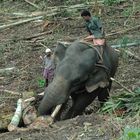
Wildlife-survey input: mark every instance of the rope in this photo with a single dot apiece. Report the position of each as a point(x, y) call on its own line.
point(91, 45)
point(101, 65)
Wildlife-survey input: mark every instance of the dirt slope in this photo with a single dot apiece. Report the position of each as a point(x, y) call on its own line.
point(18, 50)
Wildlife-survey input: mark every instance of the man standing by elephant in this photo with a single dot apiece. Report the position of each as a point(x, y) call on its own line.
point(95, 29)
point(49, 69)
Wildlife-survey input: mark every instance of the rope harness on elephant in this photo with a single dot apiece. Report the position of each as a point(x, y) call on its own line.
point(100, 51)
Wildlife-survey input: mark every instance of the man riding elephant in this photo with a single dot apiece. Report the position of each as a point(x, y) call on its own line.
point(79, 75)
point(94, 28)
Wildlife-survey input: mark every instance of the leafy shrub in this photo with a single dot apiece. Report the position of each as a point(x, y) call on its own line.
point(128, 101)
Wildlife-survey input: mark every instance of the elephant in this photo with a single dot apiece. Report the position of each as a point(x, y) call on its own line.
point(83, 71)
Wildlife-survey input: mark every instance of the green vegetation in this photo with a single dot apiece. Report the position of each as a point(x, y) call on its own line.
point(129, 102)
point(131, 133)
point(125, 106)
point(24, 55)
point(41, 83)
point(127, 12)
point(111, 2)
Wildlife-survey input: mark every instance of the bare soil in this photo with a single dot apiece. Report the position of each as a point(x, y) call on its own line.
point(17, 50)
point(83, 127)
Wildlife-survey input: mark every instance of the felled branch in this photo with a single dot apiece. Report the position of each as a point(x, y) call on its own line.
point(123, 31)
point(121, 85)
point(76, 6)
point(20, 22)
point(129, 54)
point(55, 10)
point(37, 35)
point(126, 45)
point(41, 34)
point(33, 98)
point(11, 92)
point(34, 5)
point(132, 55)
point(7, 69)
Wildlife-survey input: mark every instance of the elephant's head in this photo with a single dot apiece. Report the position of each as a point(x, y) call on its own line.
point(59, 51)
point(74, 67)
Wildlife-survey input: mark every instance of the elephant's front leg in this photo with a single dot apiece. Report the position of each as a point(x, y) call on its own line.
point(103, 95)
point(80, 102)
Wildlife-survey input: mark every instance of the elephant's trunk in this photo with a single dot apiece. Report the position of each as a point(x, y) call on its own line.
point(55, 94)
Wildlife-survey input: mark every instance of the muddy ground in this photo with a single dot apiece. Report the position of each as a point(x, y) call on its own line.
point(19, 49)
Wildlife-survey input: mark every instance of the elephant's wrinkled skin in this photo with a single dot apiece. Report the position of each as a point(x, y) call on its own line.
point(78, 76)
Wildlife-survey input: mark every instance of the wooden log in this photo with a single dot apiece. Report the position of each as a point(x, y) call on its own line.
point(17, 116)
point(7, 69)
point(19, 22)
point(38, 121)
point(33, 98)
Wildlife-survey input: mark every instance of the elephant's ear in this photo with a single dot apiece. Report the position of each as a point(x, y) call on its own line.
point(96, 80)
point(64, 44)
point(60, 50)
